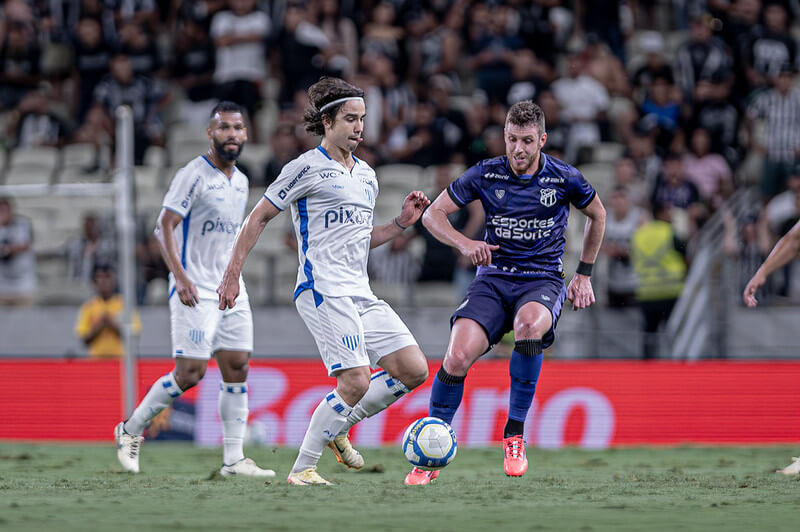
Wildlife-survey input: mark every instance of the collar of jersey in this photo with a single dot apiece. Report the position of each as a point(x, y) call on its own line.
point(325, 153)
point(542, 162)
point(217, 169)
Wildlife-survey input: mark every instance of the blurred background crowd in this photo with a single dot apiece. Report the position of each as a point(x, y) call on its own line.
point(683, 114)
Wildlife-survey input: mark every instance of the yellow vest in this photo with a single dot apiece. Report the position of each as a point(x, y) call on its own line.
point(658, 265)
point(107, 343)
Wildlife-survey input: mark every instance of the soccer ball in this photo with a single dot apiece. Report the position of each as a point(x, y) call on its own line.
point(429, 443)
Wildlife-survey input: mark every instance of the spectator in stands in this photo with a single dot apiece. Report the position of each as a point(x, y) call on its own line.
point(779, 108)
point(141, 12)
point(708, 171)
point(663, 107)
point(96, 245)
point(301, 48)
point(193, 70)
point(342, 33)
point(626, 175)
point(150, 264)
point(749, 245)
point(17, 260)
point(660, 267)
point(92, 56)
point(622, 222)
point(602, 18)
point(19, 64)
point(675, 189)
point(651, 44)
point(121, 87)
point(99, 319)
point(703, 56)
point(433, 48)
point(40, 119)
point(285, 147)
point(770, 46)
point(584, 102)
point(557, 128)
point(395, 99)
point(450, 124)
point(141, 48)
point(419, 143)
point(529, 77)
point(492, 47)
point(239, 35)
point(641, 150)
point(714, 112)
point(382, 36)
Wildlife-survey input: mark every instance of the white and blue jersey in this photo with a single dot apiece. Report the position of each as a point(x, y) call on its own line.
point(332, 210)
point(212, 207)
point(525, 215)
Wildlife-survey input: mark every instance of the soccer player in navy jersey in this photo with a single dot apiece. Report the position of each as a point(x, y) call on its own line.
point(526, 196)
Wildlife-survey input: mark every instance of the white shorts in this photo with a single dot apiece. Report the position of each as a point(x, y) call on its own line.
point(351, 332)
point(200, 331)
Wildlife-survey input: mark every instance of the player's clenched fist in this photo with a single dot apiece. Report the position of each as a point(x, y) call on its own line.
point(580, 292)
point(228, 290)
point(479, 252)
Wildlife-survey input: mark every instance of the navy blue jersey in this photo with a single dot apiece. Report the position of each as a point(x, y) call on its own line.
point(525, 215)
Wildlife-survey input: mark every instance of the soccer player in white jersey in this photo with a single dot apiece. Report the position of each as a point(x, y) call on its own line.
point(332, 196)
point(202, 211)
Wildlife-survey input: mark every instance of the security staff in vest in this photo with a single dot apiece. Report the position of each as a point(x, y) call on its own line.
point(658, 260)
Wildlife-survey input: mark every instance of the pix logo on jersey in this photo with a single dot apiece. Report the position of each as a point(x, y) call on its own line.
point(185, 201)
point(219, 226)
point(285, 190)
point(344, 215)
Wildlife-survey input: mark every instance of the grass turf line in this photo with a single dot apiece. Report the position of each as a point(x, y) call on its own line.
point(69, 487)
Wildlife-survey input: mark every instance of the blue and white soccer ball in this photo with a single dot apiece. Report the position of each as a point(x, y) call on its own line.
point(429, 443)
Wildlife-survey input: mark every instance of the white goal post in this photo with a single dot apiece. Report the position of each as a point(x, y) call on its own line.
point(121, 190)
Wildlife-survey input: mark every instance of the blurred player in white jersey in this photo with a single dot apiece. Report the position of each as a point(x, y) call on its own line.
point(332, 197)
point(787, 248)
point(202, 211)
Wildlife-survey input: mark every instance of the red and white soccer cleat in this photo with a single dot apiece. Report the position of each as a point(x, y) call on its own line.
point(515, 463)
point(420, 477)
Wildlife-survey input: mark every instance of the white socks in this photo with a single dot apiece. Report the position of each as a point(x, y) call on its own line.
point(233, 412)
point(328, 419)
point(383, 391)
point(161, 394)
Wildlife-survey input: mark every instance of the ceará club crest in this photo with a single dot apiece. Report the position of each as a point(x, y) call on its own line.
point(547, 197)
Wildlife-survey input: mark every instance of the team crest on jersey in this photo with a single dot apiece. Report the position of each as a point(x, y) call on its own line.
point(499, 192)
point(547, 197)
point(350, 341)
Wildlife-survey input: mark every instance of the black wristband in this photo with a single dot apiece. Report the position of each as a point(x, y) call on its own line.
point(398, 224)
point(584, 268)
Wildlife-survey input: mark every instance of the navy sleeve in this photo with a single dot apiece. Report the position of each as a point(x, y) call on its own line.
point(579, 191)
point(465, 189)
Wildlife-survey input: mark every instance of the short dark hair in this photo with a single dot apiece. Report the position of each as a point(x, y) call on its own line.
point(102, 267)
point(324, 91)
point(526, 113)
point(226, 106)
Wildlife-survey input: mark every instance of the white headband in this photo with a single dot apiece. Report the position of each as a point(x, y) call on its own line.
point(340, 100)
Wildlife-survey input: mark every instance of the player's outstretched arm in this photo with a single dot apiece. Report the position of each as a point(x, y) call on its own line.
point(580, 291)
point(165, 234)
point(435, 220)
point(251, 229)
point(412, 209)
point(784, 251)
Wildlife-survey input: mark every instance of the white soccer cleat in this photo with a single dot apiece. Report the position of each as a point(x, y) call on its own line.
point(245, 468)
point(127, 448)
point(307, 477)
point(791, 469)
point(345, 453)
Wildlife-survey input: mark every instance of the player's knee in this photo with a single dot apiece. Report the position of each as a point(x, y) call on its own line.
point(415, 376)
point(533, 330)
point(457, 362)
point(189, 377)
point(352, 385)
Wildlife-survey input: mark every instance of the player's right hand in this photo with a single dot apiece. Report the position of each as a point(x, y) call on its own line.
point(750, 290)
point(187, 292)
point(228, 290)
point(479, 252)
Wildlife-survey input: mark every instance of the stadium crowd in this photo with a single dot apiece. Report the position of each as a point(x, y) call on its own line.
point(668, 108)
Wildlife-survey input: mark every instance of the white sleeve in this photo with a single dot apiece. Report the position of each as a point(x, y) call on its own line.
point(294, 181)
point(182, 191)
point(220, 25)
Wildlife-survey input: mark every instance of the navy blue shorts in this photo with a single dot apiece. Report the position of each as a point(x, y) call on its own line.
point(493, 301)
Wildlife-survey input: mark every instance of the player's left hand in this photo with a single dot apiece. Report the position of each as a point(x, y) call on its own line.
point(580, 292)
point(413, 205)
point(228, 290)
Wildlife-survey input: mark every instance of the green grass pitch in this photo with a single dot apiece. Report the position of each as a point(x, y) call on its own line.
point(70, 487)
